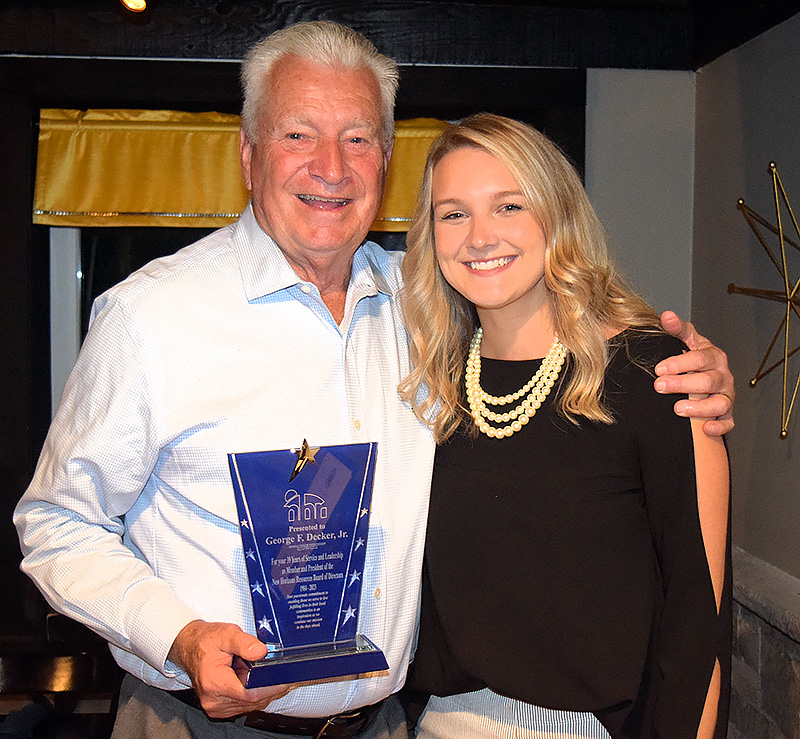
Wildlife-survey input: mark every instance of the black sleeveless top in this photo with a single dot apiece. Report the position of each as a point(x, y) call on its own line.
point(565, 567)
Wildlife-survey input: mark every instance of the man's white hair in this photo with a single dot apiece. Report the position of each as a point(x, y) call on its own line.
point(319, 42)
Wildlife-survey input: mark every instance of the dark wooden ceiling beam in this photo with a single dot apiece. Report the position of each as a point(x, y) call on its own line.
point(655, 34)
point(722, 25)
point(644, 34)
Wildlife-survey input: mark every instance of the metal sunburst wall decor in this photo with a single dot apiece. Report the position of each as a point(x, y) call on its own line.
point(788, 295)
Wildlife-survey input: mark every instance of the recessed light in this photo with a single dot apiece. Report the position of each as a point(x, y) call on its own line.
point(135, 6)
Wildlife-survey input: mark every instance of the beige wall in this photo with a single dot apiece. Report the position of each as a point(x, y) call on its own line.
point(748, 113)
point(639, 176)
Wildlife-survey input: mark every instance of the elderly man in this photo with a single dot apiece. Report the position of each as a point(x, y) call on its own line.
point(280, 327)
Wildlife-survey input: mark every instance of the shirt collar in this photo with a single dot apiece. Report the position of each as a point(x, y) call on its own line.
point(265, 270)
point(262, 265)
point(368, 273)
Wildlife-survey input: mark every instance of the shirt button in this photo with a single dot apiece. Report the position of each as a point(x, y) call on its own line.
point(377, 593)
point(305, 288)
point(356, 424)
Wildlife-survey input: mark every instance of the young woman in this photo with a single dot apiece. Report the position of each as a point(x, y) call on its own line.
point(575, 574)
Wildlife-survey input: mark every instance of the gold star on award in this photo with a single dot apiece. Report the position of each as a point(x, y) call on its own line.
point(305, 454)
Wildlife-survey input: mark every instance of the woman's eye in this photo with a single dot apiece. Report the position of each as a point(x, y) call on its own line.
point(508, 207)
point(452, 216)
point(295, 136)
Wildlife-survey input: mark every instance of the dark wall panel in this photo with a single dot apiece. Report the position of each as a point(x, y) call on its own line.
point(24, 337)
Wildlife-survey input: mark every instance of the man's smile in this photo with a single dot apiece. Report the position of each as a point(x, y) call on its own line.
point(322, 203)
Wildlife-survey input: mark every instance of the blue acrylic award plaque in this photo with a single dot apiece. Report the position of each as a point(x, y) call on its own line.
point(304, 520)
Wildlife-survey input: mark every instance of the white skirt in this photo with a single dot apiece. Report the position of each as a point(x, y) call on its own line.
point(487, 714)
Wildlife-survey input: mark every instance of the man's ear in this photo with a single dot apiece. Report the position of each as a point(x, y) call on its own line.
point(245, 154)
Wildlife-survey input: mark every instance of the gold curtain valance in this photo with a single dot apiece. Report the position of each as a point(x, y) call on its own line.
point(169, 168)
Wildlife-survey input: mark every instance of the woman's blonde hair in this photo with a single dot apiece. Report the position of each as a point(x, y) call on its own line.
point(587, 296)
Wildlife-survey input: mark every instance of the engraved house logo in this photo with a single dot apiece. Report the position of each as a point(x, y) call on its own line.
point(308, 507)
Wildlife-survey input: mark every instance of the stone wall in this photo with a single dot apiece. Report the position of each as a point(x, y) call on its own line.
point(765, 702)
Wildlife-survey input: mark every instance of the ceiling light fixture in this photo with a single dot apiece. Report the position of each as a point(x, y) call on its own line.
point(135, 6)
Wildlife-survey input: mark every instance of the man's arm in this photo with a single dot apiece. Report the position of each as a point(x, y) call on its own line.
point(702, 373)
point(96, 460)
point(205, 651)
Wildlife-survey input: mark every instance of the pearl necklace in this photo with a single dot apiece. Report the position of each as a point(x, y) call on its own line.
point(536, 390)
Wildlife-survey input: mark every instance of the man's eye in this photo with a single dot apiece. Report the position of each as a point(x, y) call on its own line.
point(454, 216)
point(295, 136)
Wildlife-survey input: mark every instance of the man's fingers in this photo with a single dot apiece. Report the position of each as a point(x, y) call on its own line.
point(717, 409)
point(200, 642)
point(696, 360)
point(699, 383)
point(235, 641)
point(702, 370)
point(262, 697)
point(222, 695)
point(205, 651)
point(234, 700)
point(674, 325)
point(714, 407)
point(718, 427)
